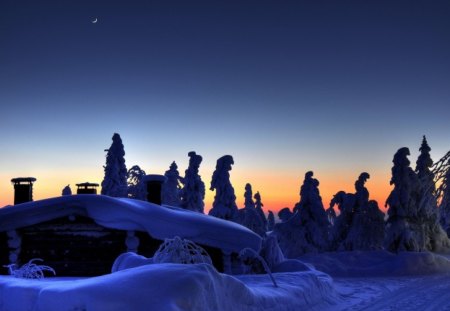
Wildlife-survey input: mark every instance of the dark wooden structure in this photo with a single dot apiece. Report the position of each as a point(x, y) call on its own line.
point(154, 187)
point(87, 188)
point(23, 189)
point(83, 235)
point(73, 246)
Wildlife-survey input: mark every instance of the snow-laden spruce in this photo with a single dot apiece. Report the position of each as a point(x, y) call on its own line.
point(413, 224)
point(360, 224)
point(171, 189)
point(307, 230)
point(136, 186)
point(193, 191)
point(249, 216)
point(224, 205)
point(114, 183)
point(259, 205)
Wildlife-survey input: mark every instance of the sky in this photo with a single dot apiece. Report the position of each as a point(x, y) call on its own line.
point(285, 87)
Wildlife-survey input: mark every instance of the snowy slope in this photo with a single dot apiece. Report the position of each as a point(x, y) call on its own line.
point(169, 287)
point(128, 214)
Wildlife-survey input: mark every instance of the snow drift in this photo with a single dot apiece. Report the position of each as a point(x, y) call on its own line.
point(169, 287)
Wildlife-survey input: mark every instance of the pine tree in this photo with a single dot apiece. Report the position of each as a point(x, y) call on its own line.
point(193, 191)
point(360, 224)
point(434, 238)
point(115, 181)
point(249, 216)
point(136, 187)
point(259, 205)
point(171, 190)
point(224, 205)
point(307, 230)
point(248, 197)
point(403, 205)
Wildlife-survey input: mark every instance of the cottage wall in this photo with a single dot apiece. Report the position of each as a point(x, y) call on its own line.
point(73, 246)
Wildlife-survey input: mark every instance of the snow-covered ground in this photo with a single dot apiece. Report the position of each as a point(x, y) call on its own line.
point(168, 287)
point(361, 281)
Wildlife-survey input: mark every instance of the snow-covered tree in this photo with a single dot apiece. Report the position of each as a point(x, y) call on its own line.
point(360, 224)
point(248, 197)
point(115, 181)
point(403, 205)
point(307, 230)
point(171, 190)
point(193, 191)
point(136, 187)
point(249, 215)
point(435, 239)
point(285, 214)
point(270, 221)
point(346, 202)
point(413, 223)
point(259, 205)
point(444, 207)
point(224, 205)
point(67, 190)
point(367, 231)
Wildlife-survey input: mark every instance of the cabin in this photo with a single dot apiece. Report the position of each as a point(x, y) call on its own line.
point(82, 235)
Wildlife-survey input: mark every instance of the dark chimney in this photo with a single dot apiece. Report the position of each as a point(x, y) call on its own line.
point(87, 188)
point(154, 187)
point(23, 189)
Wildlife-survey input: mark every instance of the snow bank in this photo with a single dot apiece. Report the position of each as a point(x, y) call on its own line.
point(129, 214)
point(378, 263)
point(169, 287)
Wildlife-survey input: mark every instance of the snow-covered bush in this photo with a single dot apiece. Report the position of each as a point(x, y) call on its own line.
point(29, 270)
point(193, 191)
point(248, 254)
point(66, 190)
point(224, 205)
point(182, 251)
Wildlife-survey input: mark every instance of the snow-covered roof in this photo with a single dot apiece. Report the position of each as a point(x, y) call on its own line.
point(128, 214)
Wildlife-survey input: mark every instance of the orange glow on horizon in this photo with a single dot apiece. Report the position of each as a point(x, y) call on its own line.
point(278, 189)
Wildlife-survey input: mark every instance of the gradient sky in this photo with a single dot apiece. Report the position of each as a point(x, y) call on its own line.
point(283, 86)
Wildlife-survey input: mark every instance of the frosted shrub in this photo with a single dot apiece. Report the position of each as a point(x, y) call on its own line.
point(30, 270)
point(182, 251)
point(248, 254)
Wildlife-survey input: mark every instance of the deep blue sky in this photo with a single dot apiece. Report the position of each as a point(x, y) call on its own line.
point(283, 86)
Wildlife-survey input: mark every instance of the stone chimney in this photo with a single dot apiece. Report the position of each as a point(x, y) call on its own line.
point(87, 188)
point(23, 189)
point(154, 187)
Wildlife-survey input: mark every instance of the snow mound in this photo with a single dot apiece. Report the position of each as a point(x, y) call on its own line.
point(169, 287)
point(378, 263)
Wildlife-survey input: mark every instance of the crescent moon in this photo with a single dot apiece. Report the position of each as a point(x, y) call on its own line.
point(94, 21)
